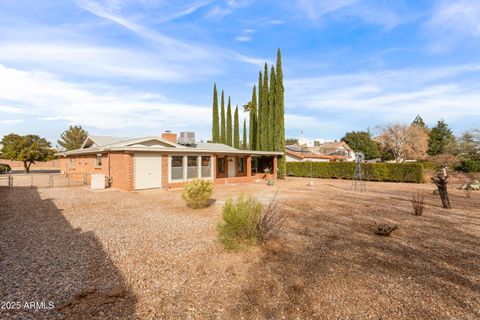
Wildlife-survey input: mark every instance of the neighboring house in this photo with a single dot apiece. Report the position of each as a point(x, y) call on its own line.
point(161, 162)
point(326, 152)
point(334, 148)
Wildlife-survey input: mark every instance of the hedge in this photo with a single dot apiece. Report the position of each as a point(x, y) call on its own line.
point(392, 172)
point(470, 166)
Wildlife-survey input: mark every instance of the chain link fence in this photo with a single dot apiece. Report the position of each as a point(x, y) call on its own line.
point(43, 180)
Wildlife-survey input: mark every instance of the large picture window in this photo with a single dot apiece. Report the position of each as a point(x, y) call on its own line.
point(192, 167)
point(206, 167)
point(177, 168)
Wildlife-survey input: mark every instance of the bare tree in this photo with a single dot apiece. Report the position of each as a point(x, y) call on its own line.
point(404, 141)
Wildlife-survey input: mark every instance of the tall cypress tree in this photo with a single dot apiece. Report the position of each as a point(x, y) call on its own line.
point(272, 136)
point(223, 132)
point(280, 116)
point(253, 120)
point(244, 140)
point(265, 107)
point(229, 123)
point(258, 145)
point(215, 128)
point(236, 130)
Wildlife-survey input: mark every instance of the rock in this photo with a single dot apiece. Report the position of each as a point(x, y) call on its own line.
point(109, 300)
point(116, 292)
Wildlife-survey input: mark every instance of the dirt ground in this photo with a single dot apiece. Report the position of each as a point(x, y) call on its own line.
point(118, 255)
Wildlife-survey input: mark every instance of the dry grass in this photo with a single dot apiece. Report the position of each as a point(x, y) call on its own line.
point(326, 263)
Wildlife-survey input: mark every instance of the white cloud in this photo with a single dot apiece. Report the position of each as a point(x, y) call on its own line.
point(389, 96)
point(453, 22)
point(50, 99)
point(8, 109)
point(374, 13)
point(243, 38)
point(176, 50)
point(11, 121)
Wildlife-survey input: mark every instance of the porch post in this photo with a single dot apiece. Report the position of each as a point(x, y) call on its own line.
point(249, 166)
point(274, 167)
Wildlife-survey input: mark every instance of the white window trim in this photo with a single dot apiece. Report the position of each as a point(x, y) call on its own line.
point(185, 168)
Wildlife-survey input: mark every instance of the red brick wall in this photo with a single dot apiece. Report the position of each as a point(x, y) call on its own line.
point(122, 171)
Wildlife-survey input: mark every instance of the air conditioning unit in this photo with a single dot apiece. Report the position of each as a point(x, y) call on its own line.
point(187, 138)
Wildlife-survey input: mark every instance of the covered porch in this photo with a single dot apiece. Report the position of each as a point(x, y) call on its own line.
point(235, 168)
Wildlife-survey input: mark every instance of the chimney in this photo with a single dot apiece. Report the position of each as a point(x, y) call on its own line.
point(169, 136)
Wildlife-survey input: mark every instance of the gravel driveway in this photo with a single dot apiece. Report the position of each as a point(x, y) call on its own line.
point(114, 254)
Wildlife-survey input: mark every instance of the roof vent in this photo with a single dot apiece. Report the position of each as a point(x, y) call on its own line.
point(187, 138)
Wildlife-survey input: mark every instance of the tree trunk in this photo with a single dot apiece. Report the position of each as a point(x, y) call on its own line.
point(441, 181)
point(26, 166)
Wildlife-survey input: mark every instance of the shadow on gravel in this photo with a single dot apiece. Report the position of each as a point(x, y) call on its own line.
point(44, 259)
point(329, 265)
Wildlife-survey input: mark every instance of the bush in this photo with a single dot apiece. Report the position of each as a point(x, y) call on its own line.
point(4, 168)
point(246, 222)
point(470, 166)
point(239, 225)
point(418, 203)
point(197, 193)
point(392, 172)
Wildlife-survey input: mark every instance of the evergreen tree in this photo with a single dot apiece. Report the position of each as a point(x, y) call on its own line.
point(229, 123)
point(272, 131)
point(215, 128)
point(223, 132)
point(418, 121)
point(244, 141)
point(253, 120)
point(280, 116)
point(265, 111)
point(236, 130)
point(259, 113)
point(439, 138)
point(72, 138)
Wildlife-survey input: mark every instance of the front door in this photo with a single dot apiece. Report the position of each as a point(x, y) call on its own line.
point(231, 167)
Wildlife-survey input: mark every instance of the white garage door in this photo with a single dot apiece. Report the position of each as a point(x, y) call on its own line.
point(148, 171)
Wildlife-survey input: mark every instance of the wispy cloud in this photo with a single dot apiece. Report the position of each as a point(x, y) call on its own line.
point(372, 98)
point(11, 121)
point(176, 49)
point(453, 21)
point(46, 97)
point(373, 12)
point(246, 35)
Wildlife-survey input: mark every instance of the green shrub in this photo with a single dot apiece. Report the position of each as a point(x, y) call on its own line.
point(391, 172)
point(470, 166)
point(239, 224)
point(4, 168)
point(197, 193)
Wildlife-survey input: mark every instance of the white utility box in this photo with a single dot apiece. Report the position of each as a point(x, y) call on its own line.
point(98, 181)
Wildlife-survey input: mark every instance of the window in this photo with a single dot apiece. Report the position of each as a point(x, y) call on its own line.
point(241, 165)
point(206, 167)
point(176, 168)
point(221, 165)
point(98, 160)
point(192, 167)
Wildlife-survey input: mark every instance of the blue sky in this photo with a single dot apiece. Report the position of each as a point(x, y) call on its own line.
point(139, 67)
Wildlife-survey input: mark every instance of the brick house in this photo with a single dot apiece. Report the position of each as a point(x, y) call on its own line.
point(165, 162)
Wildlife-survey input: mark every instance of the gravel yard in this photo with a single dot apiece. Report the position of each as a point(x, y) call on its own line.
point(113, 254)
